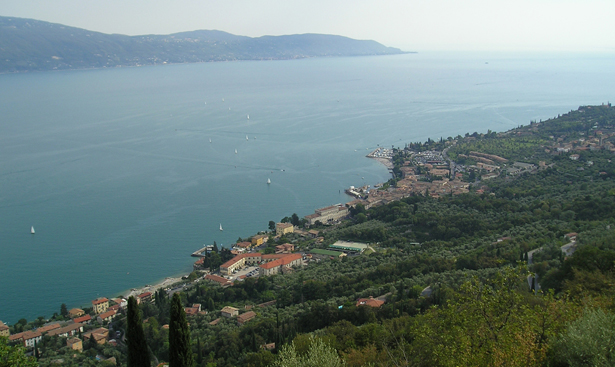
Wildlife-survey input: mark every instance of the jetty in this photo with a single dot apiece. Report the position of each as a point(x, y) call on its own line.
point(202, 251)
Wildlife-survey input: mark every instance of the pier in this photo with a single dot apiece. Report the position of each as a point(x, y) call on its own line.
point(199, 252)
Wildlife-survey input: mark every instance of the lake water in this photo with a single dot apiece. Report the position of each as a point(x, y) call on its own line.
point(115, 171)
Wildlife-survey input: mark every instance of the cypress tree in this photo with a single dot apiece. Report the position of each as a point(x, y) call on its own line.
point(180, 352)
point(138, 354)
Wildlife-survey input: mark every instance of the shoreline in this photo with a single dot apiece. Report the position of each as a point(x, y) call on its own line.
point(166, 282)
point(386, 162)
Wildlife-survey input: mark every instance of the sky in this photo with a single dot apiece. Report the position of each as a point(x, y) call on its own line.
point(412, 25)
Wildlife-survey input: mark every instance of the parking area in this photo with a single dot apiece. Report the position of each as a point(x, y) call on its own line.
point(248, 271)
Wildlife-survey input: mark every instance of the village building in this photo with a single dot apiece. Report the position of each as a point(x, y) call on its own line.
point(100, 305)
point(217, 279)
point(215, 322)
point(74, 344)
point(75, 312)
point(283, 228)
point(66, 331)
point(328, 214)
point(245, 317)
point(4, 330)
point(47, 328)
point(259, 239)
point(83, 319)
point(229, 311)
point(144, 297)
point(286, 248)
point(371, 302)
point(107, 316)
point(100, 335)
point(280, 265)
point(28, 338)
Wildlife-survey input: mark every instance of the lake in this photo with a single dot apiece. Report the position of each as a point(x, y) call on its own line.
point(116, 172)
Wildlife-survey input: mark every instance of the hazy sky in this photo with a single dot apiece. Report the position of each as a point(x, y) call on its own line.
point(413, 25)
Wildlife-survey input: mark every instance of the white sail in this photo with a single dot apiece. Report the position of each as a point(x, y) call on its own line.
point(210, 140)
point(268, 181)
point(32, 230)
point(248, 117)
point(235, 151)
point(221, 227)
point(247, 137)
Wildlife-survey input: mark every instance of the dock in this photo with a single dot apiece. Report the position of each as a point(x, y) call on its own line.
point(200, 252)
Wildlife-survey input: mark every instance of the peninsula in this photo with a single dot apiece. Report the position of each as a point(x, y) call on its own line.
point(33, 45)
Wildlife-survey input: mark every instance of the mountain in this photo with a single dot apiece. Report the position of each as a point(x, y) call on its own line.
point(31, 45)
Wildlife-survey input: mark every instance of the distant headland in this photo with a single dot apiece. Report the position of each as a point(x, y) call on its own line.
point(34, 45)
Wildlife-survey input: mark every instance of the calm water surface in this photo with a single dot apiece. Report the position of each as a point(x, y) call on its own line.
point(115, 171)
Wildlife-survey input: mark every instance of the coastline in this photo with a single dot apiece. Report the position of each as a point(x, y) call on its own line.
point(166, 282)
point(385, 161)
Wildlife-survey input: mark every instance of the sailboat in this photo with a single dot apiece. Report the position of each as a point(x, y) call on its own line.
point(235, 151)
point(221, 227)
point(268, 181)
point(32, 230)
point(247, 137)
point(210, 140)
point(248, 117)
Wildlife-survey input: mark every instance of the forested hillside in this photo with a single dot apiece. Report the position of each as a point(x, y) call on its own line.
point(33, 45)
point(461, 281)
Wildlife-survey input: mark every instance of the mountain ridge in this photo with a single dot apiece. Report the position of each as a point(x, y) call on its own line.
point(34, 45)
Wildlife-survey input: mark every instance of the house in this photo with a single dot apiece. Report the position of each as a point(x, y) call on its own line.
point(216, 279)
point(75, 312)
point(46, 328)
point(115, 308)
point(66, 331)
point(100, 335)
point(244, 245)
point(313, 233)
point(258, 240)
point(83, 319)
point(215, 322)
point(371, 302)
point(144, 297)
point(280, 265)
point(329, 214)
point(283, 228)
point(286, 248)
point(107, 316)
point(245, 317)
point(270, 346)
point(194, 310)
point(121, 302)
point(100, 305)
point(31, 337)
point(74, 344)
point(229, 311)
point(4, 330)
point(572, 236)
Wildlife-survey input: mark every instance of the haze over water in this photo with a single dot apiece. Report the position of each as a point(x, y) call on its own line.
point(115, 171)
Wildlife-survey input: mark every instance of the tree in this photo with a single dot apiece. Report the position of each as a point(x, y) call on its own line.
point(14, 356)
point(319, 355)
point(294, 219)
point(92, 342)
point(271, 225)
point(587, 341)
point(138, 354)
point(63, 310)
point(180, 352)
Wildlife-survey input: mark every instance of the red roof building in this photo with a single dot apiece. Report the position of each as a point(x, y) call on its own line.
point(371, 302)
point(83, 319)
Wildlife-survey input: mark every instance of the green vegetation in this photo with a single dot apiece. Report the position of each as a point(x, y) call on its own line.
point(29, 45)
point(452, 269)
point(180, 352)
point(138, 354)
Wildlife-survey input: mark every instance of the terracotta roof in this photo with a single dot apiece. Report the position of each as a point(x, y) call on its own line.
point(371, 302)
point(191, 311)
point(107, 314)
point(245, 317)
point(229, 309)
point(235, 259)
point(145, 294)
point(99, 301)
point(31, 334)
point(287, 259)
point(217, 279)
point(17, 336)
point(46, 328)
point(2, 326)
point(215, 322)
point(83, 318)
point(65, 329)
